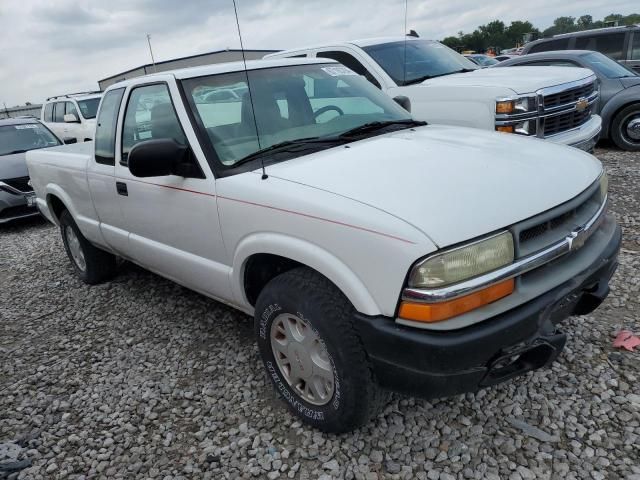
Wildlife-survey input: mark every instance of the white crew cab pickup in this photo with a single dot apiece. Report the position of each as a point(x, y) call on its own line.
point(441, 86)
point(374, 252)
point(72, 117)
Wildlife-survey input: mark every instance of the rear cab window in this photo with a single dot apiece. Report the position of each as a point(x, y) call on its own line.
point(48, 112)
point(350, 61)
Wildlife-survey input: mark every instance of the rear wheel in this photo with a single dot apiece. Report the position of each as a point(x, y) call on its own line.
point(91, 264)
point(625, 128)
point(312, 352)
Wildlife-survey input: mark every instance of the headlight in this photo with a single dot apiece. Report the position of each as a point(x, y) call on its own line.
point(463, 263)
point(518, 105)
point(604, 186)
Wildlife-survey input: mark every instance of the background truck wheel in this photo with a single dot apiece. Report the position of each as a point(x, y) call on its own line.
point(312, 353)
point(90, 263)
point(625, 128)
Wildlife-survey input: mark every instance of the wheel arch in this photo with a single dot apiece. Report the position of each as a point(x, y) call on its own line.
point(261, 257)
point(613, 108)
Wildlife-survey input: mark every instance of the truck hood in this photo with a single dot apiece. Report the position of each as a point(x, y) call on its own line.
point(13, 166)
point(451, 183)
point(520, 79)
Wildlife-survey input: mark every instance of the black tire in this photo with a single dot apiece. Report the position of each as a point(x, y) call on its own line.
point(619, 128)
point(100, 265)
point(308, 295)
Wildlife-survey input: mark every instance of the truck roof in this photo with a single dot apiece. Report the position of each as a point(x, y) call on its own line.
point(363, 42)
point(228, 67)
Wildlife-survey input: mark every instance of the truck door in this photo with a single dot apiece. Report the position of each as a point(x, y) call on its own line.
point(172, 220)
point(101, 175)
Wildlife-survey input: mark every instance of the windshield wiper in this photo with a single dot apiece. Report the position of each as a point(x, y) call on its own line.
point(288, 146)
point(378, 125)
point(427, 77)
point(14, 152)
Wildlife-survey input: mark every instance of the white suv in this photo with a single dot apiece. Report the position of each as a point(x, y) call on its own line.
point(72, 116)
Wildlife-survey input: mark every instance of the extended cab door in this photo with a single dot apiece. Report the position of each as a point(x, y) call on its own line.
point(172, 220)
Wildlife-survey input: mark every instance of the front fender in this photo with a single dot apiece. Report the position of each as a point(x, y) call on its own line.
point(308, 254)
point(620, 100)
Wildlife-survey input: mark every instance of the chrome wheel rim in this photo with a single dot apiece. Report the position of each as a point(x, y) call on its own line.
point(633, 129)
point(302, 359)
point(75, 249)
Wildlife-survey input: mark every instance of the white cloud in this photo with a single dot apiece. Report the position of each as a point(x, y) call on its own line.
point(49, 47)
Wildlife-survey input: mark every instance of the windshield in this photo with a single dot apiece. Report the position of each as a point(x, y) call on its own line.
point(606, 66)
point(24, 137)
point(297, 103)
point(424, 59)
point(484, 60)
point(89, 107)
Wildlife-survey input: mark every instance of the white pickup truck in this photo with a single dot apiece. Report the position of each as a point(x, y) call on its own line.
point(374, 252)
point(443, 87)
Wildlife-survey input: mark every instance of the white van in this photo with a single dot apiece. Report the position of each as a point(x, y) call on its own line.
point(72, 116)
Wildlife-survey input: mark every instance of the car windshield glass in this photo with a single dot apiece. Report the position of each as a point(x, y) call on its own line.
point(606, 66)
point(24, 137)
point(294, 106)
point(424, 59)
point(89, 107)
point(485, 60)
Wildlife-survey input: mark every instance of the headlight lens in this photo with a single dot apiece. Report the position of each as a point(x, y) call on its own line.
point(463, 263)
point(518, 105)
point(604, 186)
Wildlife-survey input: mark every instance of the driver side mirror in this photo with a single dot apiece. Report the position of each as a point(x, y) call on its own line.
point(403, 101)
point(70, 140)
point(71, 118)
point(162, 157)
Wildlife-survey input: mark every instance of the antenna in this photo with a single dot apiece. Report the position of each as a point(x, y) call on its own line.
point(246, 74)
point(151, 52)
point(404, 55)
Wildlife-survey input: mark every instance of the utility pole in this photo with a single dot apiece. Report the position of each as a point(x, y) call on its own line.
point(151, 52)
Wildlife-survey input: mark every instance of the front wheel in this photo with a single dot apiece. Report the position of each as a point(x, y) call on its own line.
point(312, 352)
point(625, 128)
point(91, 264)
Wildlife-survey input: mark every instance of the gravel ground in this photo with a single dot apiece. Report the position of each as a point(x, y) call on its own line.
point(140, 378)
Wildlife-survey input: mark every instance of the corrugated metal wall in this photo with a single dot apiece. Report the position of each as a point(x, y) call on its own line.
point(33, 110)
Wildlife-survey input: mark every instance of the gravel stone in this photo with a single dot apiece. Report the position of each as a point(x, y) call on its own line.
point(140, 378)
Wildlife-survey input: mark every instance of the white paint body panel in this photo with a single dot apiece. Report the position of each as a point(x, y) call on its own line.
point(361, 216)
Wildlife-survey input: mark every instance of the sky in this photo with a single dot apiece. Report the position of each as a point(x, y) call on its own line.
point(51, 47)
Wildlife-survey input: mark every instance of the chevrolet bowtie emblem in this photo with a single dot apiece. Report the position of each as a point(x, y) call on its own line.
point(576, 238)
point(582, 104)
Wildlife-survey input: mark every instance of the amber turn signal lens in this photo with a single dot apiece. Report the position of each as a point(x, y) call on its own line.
point(436, 312)
point(505, 128)
point(505, 107)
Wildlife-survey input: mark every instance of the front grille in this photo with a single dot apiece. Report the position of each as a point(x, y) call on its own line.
point(20, 183)
point(566, 121)
point(569, 96)
point(15, 212)
point(556, 227)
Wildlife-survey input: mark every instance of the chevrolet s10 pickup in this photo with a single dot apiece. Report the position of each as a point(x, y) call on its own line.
point(376, 253)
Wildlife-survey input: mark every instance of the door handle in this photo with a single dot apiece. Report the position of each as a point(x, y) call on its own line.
point(121, 188)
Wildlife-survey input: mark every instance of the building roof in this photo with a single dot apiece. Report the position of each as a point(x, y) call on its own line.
point(198, 55)
point(227, 67)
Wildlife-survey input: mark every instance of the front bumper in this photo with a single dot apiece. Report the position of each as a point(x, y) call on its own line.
point(433, 364)
point(585, 137)
point(14, 207)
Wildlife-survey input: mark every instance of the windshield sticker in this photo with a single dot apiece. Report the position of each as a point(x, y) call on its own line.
point(339, 70)
point(27, 125)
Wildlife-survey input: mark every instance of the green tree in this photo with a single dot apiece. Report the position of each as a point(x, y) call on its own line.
point(585, 22)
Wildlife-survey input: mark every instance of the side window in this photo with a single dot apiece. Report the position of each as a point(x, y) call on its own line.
point(609, 44)
point(71, 108)
point(560, 44)
point(48, 112)
point(105, 140)
point(58, 112)
point(635, 46)
point(551, 63)
point(349, 61)
point(149, 115)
